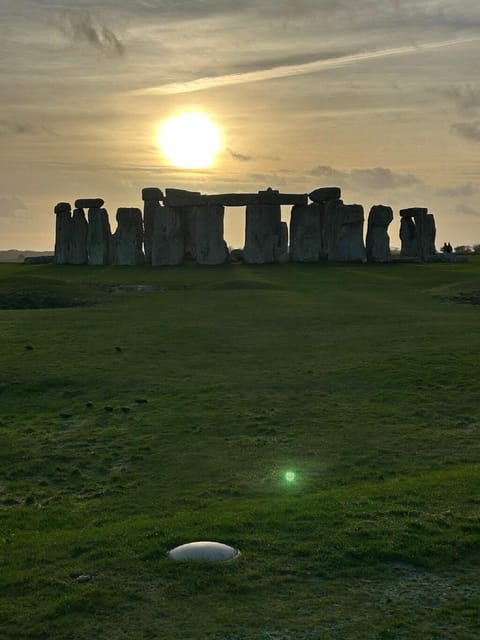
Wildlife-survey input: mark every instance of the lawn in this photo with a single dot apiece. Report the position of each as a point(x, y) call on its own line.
point(137, 418)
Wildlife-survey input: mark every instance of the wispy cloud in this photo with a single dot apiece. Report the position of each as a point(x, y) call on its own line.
point(239, 156)
point(376, 178)
point(468, 130)
point(457, 191)
point(286, 71)
point(21, 128)
point(466, 98)
point(12, 207)
point(84, 27)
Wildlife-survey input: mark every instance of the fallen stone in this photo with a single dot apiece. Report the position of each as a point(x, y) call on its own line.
point(39, 260)
point(168, 246)
point(128, 238)
point(236, 255)
point(204, 551)
point(325, 193)
point(61, 207)
point(182, 198)
point(99, 240)
point(152, 194)
point(378, 240)
point(210, 247)
point(78, 253)
point(411, 212)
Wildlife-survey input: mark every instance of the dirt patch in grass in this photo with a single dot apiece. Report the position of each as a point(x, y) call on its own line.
point(40, 300)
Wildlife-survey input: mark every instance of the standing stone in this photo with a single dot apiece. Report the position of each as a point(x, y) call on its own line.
point(431, 233)
point(99, 241)
point(378, 240)
point(344, 231)
point(306, 233)
point(281, 250)
point(128, 238)
point(63, 212)
point(78, 238)
point(167, 240)
point(151, 196)
point(210, 245)
point(417, 233)
point(263, 234)
point(189, 222)
point(408, 238)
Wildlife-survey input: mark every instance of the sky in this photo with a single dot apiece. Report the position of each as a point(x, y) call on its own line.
point(378, 97)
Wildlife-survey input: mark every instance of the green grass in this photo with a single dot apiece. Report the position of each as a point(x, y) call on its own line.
point(361, 379)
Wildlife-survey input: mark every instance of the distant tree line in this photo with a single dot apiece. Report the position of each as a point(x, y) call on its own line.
point(465, 249)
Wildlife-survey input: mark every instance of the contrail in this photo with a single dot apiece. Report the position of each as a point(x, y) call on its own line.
point(287, 71)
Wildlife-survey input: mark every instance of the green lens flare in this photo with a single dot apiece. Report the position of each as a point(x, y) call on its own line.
point(290, 476)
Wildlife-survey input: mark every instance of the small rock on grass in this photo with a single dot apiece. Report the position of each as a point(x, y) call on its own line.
point(141, 401)
point(108, 409)
point(29, 347)
point(125, 409)
point(89, 405)
point(65, 416)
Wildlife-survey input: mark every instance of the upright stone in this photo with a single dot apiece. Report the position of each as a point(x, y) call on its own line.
point(128, 238)
point(189, 226)
point(344, 228)
point(78, 238)
point(378, 240)
point(408, 240)
point(263, 234)
point(63, 213)
point(306, 233)
point(425, 233)
point(281, 250)
point(99, 241)
point(168, 248)
point(210, 245)
point(151, 196)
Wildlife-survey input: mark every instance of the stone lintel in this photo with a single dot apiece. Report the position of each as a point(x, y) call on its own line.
point(325, 193)
point(183, 198)
point(262, 197)
point(63, 207)
point(152, 194)
point(89, 203)
point(413, 211)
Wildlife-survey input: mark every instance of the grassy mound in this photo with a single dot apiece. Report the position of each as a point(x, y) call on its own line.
point(171, 410)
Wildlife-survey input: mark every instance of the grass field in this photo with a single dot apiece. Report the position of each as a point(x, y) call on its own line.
point(364, 380)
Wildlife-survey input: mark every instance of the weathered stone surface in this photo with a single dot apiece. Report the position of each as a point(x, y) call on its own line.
point(89, 203)
point(182, 198)
point(209, 243)
point(189, 222)
point(62, 234)
point(152, 194)
point(307, 233)
point(168, 246)
point(262, 197)
point(263, 234)
point(61, 207)
point(425, 233)
point(325, 193)
point(271, 196)
point(204, 550)
point(77, 253)
point(99, 240)
point(236, 255)
point(150, 210)
point(408, 238)
point(128, 238)
point(413, 211)
point(344, 232)
point(281, 250)
point(39, 260)
point(378, 240)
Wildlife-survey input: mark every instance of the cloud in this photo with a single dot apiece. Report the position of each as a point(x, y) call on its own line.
point(469, 211)
point(12, 207)
point(239, 156)
point(12, 127)
point(466, 98)
point(463, 190)
point(84, 27)
point(285, 71)
point(467, 130)
point(377, 178)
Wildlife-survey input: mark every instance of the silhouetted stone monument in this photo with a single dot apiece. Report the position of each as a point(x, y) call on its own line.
point(344, 231)
point(417, 233)
point(128, 238)
point(77, 253)
point(63, 213)
point(323, 194)
point(210, 247)
point(264, 236)
point(378, 240)
point(168, 248)
point(99, 241)
point(307, 233)
point(151, 196)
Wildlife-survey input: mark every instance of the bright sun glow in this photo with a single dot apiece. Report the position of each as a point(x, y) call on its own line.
point(190, 140)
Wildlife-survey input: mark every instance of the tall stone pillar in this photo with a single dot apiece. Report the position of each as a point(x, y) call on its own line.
point(78, 238)
point(378, 240)
point(99, 241)
point(417, 233)
point(210, 245)
point(344, 228)
point(128, 238)
point(63, 213)
point(151, 196)
point(306, 233)
point(263, 234)
point(168, 247)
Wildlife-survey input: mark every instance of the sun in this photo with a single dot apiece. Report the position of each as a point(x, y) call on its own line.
point(190, 140)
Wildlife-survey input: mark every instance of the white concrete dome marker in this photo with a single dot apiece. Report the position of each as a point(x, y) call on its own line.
point(204, 550)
